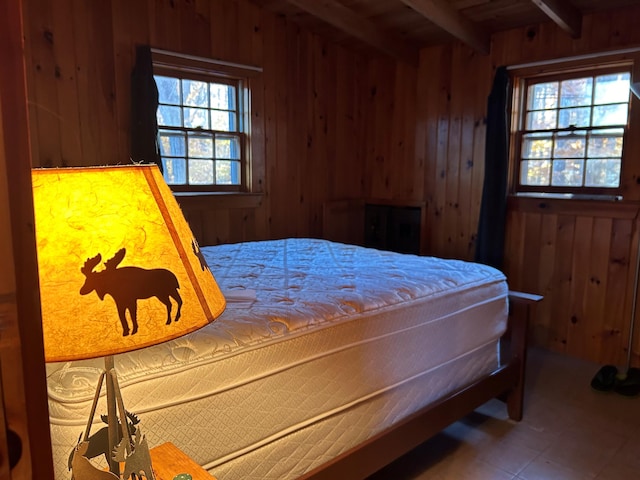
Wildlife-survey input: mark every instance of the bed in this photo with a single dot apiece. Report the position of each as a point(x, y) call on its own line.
point(330, 361)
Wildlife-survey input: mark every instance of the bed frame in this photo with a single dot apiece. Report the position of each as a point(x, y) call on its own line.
point(505, 383)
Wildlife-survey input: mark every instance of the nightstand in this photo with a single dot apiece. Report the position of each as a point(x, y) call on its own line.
point(168, 461)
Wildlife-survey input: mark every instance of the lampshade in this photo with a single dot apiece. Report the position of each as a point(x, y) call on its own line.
point(119, 266)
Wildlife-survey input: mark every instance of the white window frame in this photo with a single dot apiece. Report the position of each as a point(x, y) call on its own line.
point(188, 67)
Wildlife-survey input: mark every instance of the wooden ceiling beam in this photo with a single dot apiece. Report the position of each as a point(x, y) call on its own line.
point(341, 17)
point(564, 14)
point(451, 20)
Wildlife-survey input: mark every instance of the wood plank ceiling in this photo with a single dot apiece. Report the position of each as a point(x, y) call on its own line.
point(401, 27)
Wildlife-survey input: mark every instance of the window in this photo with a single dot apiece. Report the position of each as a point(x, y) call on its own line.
point(203, 118)
point(571, 132)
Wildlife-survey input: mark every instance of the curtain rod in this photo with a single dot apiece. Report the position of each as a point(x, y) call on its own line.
point(586, 56)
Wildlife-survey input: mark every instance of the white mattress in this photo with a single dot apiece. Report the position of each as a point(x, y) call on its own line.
point(321, 345)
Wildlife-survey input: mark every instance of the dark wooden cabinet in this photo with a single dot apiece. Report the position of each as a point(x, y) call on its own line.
point(392, 227)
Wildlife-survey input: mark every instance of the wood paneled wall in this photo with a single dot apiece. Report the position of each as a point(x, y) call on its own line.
point(582, 258)
point(307, 118)
point(580, 255)
point(331, 125)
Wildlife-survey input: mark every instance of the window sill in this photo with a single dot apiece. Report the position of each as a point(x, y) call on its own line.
point(219, 200)
point(587, 205)
point(569, 196)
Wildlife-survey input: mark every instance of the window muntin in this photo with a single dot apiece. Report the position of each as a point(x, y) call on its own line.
point(572, 131)
point(201, 132)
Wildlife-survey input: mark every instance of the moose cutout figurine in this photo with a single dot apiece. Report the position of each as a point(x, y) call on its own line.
point(127, 285)
point(82, 467)
point(137, 464)
point(131, 452)
point(98, 443)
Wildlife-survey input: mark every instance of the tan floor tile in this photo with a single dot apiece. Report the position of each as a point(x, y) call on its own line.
point(569, 432)
point(543, 469)
point(628, 455)
point(619, 472)
point(584, 450)
point(473, 470)
point(511, 457)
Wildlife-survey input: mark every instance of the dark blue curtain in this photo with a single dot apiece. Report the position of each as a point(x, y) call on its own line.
point(144, 105)
point(493, 210)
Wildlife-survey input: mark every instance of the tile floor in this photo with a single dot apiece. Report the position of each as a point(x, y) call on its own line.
point(569, 432)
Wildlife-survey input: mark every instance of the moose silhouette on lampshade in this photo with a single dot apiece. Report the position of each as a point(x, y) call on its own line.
point(154, 268)
point(127, 285)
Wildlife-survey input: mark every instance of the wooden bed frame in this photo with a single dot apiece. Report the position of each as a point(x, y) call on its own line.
point(505, 383)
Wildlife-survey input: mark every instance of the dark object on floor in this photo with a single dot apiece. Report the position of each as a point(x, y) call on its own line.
point(630, 385)
point(605, 379)
point(14, 443)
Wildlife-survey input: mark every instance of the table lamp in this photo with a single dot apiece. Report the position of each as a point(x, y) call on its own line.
point(119, 270)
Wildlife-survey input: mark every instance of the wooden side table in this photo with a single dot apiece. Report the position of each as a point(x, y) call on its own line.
point(168, 461)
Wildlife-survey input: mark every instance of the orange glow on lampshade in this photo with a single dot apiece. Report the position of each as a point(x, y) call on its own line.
point(83, 212)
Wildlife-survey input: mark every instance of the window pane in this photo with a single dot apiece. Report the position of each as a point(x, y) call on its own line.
point(201, 172)
point(175, 171)
point(533, 147)
point(228, 172)
point(577, 92)
point(195, 94)
point(567, 173)
point(605, 146)
point(612, 88)
point(200, 146)
point(603, 173)
point(578, 117)
point(573, 129)
point(543, 96)
point(535, 172)
point(196, 118)
point(542, 120)
point(169, 116)
point(168, 89)
point(570, 146)
point(223, 97)
point(610, 115)
point(200, 129)
point(172, 143)
point(223, 121)
point(227, 147)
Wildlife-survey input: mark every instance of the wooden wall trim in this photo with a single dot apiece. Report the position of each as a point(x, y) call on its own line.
point(219, 200)
point(21, 350)
point(591, 208)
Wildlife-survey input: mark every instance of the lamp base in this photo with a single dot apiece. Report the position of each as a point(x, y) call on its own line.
point(121, 442)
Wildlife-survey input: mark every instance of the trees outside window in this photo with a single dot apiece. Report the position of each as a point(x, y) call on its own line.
point(571, 132)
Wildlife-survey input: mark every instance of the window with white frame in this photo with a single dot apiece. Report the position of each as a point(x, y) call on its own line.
point(571, 131)
point(203, 123)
